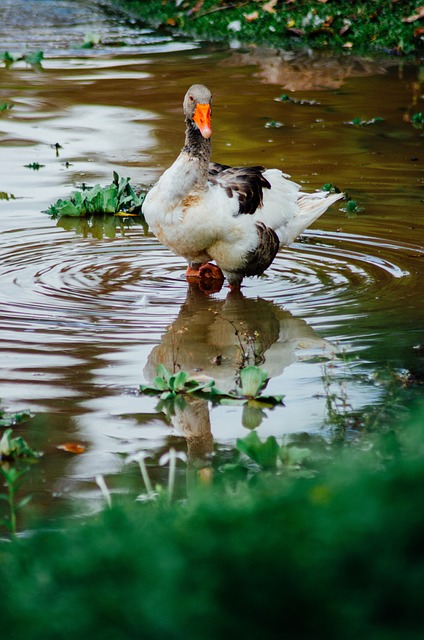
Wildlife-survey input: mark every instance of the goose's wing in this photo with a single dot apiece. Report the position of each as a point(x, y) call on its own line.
point(245, 183)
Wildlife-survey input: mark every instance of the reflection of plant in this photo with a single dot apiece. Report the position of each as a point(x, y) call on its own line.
point(249, 345)
point(171, 456)
point(100, 226)
point(269, 455)
point(113, 199)
point(11, 419)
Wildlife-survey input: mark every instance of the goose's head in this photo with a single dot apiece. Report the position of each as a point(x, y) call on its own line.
point(197, 108)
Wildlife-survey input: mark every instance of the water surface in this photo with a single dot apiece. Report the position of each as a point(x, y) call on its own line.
point(88, 309)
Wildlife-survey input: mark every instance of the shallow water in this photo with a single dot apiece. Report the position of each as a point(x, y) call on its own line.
point(88, 310)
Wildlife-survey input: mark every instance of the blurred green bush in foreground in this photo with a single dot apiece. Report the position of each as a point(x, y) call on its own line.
point(336, 555)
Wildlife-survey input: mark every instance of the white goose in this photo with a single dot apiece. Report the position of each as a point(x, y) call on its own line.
point(236, 216)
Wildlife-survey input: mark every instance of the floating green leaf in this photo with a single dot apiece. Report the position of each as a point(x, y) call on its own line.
point(36, 166)
point(364, 123)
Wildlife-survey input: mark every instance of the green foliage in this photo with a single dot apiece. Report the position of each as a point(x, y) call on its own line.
point(90, 40)
point(285, 98)
point(330, 187)
point(12, 448)
point(118, 197)
point(5, 106)
point(268, 455)
point(35, 166)
point(337, 555)
point(365, 123)
point(252, 380)
point(12, 419)
point(168, 385)
point(33, 58)
point(377, 25)
point(13, 482)
point(417, 120)
point(6, 196)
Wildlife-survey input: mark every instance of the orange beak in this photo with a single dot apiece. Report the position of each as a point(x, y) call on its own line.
point(202, 117)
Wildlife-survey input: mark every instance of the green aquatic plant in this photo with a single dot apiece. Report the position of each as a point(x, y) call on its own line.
point(33, 58)
point(417, 120)
point(35, 166)
point(117, 197)
point(286, 98)
point(253, 379)
point(330, 187)
point(360, 122)
point(5, 106)
point(7, 196)
point(352, 207)
point(168, 385)
point(273, 124)
point(90, 40)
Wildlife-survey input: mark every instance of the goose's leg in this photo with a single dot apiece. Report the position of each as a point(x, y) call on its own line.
point(209, 276)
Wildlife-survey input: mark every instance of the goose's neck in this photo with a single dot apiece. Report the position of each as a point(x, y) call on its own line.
point(197, 148)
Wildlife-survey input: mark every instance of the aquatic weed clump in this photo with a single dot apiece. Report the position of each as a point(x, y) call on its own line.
point(118, 197)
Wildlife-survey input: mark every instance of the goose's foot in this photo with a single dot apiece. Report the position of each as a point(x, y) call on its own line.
point(208, 276)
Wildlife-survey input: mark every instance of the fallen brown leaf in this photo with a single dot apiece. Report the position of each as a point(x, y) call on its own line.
point(295, 31)
point(269, 6)
point(71, 447)
point(250, 17)
point(418, 32)
point(415, 16)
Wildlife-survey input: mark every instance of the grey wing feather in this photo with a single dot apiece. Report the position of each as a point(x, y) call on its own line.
point(246, 183)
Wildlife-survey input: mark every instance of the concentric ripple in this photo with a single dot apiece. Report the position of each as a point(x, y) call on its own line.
point(134, 286)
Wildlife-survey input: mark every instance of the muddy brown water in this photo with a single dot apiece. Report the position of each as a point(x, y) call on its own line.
point(88, 309)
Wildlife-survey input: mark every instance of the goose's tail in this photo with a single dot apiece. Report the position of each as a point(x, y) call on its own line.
point(310, 207)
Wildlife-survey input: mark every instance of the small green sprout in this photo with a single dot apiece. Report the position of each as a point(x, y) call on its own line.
point(273, 124)
point(360, 122)
point(13, 482)
point(417, 120)
point(5, 106)
point(35, 166)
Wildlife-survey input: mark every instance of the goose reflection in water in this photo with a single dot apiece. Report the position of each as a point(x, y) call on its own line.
point(216, 338)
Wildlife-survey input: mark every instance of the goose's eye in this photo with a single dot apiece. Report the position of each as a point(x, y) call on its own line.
point(191, 99)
